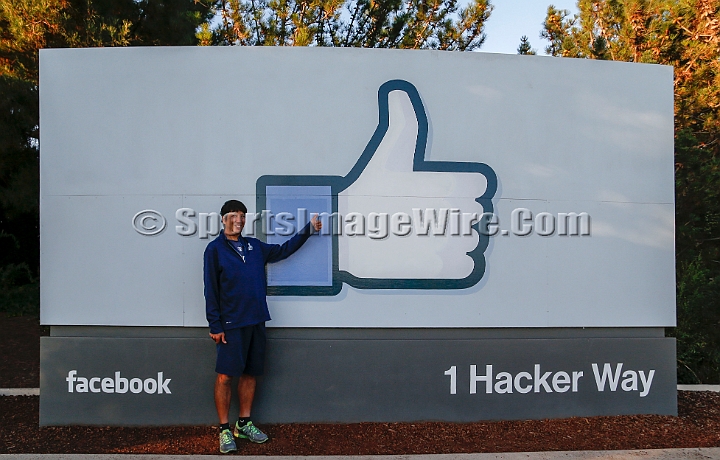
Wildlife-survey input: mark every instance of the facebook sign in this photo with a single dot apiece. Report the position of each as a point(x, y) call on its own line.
point(497, 239)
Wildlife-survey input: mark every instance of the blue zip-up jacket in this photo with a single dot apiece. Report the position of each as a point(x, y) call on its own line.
point(236, 289)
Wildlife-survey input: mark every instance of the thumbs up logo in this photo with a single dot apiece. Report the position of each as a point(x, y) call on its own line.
point(396, 220)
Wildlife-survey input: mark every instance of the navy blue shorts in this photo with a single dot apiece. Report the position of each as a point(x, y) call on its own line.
point(244, 352)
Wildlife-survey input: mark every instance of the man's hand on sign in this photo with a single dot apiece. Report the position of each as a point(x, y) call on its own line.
point(316, 224)
point(218, 337)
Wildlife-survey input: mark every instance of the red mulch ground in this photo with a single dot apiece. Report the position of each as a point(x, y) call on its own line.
point(697, 425)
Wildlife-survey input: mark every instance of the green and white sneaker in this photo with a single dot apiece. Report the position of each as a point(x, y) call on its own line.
point(250, 432)
point(227, 443)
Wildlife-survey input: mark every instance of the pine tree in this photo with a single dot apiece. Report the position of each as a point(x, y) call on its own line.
point(525, 47)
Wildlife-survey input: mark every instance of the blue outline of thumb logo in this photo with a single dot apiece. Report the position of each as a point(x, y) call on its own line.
point(337, 184)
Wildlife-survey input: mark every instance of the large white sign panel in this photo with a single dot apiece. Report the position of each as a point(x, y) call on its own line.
point(458, 189)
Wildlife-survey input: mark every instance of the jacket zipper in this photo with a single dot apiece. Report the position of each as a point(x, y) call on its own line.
point(242, 257)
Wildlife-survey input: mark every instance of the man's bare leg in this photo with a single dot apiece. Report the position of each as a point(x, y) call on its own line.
point(246, 391)
point(222, 396)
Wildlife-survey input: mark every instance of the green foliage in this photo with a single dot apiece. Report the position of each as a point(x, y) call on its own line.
point(556, 30)
point(686, 35)
point(19, 191)
point(19, 286)
point(698, 252)
point(698, 347)
point(19, 290)
point(525, 47)
point(19, 114)
point(168, 22)
point(29, 25)
point(435, 24)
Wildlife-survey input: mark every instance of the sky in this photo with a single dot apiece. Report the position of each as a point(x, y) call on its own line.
point(511, 19)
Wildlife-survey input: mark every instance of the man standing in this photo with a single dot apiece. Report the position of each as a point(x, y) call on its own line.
point(236, 310)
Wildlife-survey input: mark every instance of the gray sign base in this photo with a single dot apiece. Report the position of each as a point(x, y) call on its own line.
point(357, 375)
